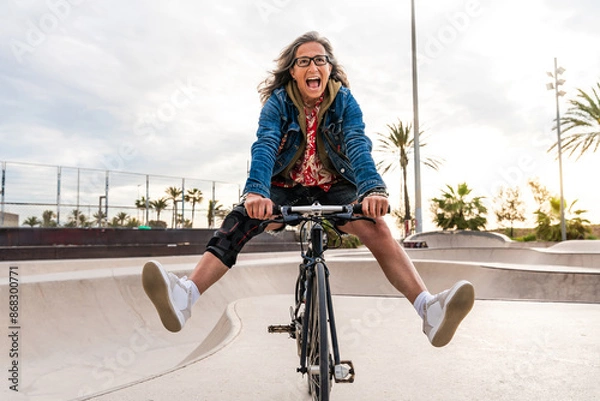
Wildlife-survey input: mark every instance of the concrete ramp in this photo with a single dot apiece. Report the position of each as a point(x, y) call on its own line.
point(86, 327)
point(504, 351)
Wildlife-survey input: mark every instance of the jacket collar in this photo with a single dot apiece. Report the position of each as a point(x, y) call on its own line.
point(293, 92)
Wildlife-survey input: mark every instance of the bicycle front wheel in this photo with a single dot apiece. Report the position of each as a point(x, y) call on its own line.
point(319, 359)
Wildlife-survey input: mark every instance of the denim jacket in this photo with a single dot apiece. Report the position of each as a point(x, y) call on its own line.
point(343, 146)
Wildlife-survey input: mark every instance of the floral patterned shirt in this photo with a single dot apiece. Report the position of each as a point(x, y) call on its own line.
point(309, 170)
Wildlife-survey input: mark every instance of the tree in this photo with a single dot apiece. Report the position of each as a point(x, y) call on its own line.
point(548, 216)
point(548, 223)
point(511, 208)
point(159, 205)
point(583, 117)
point(396, 147)
point(77, 219)
point(48, 219)
point(540, 193)
point(215, 209)
point(133, 222)
point(32, 221)
point(120, 220)
point(141, 204)
point(455, 210)
point(174, 196)
point(194, 196)
point(100, 218)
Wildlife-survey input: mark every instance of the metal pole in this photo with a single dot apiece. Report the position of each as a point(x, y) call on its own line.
point(106, 185)
point(78, 211)
point(58, 177)
point(563, 228)
point(182, 202)
point(416, 131)
point(147, 199)
point(3, 189)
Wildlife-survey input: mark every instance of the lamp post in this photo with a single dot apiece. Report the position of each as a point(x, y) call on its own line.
point(557, 82)
point(415, 91)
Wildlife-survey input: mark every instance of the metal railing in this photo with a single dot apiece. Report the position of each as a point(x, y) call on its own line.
point(51, 196)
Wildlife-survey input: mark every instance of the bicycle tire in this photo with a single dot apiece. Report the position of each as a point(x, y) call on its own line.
point(318, 355)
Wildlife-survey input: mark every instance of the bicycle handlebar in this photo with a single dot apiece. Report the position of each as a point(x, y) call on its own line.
point(296, 214)
point(318, 209)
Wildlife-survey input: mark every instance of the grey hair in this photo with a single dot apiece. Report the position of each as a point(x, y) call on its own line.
point(281, 75)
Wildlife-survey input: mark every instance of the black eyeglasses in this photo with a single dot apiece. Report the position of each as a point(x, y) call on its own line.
point(305, 61)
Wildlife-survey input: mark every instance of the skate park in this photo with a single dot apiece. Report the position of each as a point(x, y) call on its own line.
point(88, 332)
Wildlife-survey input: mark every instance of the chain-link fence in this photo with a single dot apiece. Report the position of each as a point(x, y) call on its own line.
point(51, 196)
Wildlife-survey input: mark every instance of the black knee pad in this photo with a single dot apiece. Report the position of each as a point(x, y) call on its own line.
point(237, 229)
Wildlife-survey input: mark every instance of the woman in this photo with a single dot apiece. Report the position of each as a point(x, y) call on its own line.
point(311, 146)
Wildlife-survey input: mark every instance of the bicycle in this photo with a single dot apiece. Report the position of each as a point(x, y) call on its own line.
point(312, 316)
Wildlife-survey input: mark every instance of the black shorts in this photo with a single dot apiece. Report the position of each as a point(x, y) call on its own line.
point(238, 228)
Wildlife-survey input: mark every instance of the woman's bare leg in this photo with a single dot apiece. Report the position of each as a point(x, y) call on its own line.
point(395, 263)
point(208, 271)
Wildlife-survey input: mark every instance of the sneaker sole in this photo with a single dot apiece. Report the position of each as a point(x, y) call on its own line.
point(155, 282)
point(462, 298)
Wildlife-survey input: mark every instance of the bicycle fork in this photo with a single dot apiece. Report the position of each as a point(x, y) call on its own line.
point(343, 370)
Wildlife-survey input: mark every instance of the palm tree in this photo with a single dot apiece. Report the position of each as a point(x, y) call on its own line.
point(141, 204)
point(48, 219)
point(100, 218)
point(133, 222)
point(159, 205)
point(397, 146)
point(32, 221)
point(120, 220)
point(77, 219)
point(83, 221)
point(214, 209)
point(548, 222)
point(582, 116)
point(194, 196)
point(454, 210)
point(175, 196)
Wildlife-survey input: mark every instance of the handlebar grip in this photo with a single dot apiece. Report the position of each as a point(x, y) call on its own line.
point(357, 208)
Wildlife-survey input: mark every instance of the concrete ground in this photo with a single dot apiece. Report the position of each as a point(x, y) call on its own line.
point(86, 331)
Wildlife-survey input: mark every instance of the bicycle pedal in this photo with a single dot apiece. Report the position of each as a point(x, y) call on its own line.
point(344, 372)
point(281, 328)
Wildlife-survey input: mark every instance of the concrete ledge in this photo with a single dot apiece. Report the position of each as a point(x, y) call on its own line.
point(460, 238)
point(67, 243)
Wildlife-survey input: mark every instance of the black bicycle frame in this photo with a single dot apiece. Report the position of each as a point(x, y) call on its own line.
point(313, 256)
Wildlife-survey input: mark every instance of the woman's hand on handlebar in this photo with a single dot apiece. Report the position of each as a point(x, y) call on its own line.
point(258, 207)
point(375, 206)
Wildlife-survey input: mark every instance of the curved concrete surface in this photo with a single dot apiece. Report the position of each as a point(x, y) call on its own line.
point(87, 328)
point(461, 238)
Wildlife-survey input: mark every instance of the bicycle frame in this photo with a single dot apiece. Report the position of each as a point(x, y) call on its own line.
point(313, 268)
point(314, 255)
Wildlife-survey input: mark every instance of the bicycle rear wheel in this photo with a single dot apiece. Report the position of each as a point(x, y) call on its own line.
point(319, 359)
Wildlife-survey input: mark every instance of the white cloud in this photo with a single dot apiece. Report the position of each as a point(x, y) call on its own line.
point(170, 87)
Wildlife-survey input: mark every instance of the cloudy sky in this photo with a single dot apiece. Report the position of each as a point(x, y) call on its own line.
point(169, 88)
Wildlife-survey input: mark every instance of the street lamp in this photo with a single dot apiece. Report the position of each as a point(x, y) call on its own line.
point(557, 82)
point(415, 91)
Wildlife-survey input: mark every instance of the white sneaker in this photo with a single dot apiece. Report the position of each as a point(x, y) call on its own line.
point(446, 310)
point(159, 286)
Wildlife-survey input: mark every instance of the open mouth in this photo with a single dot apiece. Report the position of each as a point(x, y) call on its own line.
point(313, 83)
